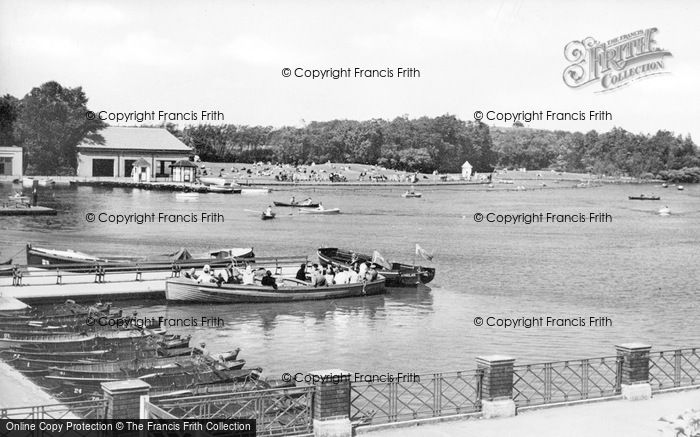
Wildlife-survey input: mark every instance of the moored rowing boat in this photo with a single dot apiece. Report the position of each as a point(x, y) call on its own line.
point(187, 290)
point(399, 275)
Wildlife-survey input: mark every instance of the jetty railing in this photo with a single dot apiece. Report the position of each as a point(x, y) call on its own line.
point(564, 381)
point(286, 411)
point(93, 409)
point(674, 368)
point(100, 271)
point(416, 397)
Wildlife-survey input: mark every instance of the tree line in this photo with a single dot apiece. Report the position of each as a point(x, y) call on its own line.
point(50, 121)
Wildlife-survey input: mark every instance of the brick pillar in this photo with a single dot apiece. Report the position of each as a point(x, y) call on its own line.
point(634, 369)
point(125, 398)
point(496, 386)
point(331, 406)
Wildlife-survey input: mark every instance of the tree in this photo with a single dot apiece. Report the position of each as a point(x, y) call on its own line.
point(52, 121)
point(9, 111)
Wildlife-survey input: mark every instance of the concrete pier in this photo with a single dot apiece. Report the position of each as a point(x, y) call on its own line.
point(18, 391)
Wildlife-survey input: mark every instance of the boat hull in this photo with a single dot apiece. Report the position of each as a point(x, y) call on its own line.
point(320, 211)
point(400, 275)
point(187, 290)
point(296, 205)
point(76, 261)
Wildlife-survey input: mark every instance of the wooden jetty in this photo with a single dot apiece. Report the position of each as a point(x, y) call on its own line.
point(56, 285)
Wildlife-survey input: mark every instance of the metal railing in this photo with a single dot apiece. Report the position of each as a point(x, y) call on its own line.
point(422, 396)
point(674, 368)
point(93, 409)
point(277, 412)
point(563, 381)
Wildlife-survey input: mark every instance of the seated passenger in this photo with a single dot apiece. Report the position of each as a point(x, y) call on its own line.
point(234, 275)
point(342, 277)
point(248, 276)
point(329, 275)
point(301, 273)
point(269, 281)
point(372, 273)
point(354, 276)
point(317, 279)
point(206, 276)
point(191, 274)
point(363, 270)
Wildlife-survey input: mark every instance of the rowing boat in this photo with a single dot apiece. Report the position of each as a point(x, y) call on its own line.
point(303, 204)
point(644, 197)
point(220, 189)
point(409, 194)
point(289, 289)
point(266, 216)
point(320, 211)
point(399, 275)
point(136, 368)
point(78, 261)
point(160, 379)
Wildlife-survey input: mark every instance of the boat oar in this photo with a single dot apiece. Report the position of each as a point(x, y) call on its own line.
point(250, 210)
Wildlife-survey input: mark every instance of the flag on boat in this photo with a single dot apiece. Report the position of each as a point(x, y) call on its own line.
point(424, 253)
point(378, 259)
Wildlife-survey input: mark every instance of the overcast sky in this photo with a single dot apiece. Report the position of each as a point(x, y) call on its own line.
point(228, 56)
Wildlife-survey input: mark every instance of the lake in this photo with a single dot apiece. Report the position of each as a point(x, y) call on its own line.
point(640, 271)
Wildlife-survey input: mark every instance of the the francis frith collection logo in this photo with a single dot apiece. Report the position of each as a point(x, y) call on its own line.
point(616, 62)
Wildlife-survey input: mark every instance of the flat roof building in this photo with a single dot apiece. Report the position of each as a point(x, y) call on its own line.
point(11, 161)
point(124, 146)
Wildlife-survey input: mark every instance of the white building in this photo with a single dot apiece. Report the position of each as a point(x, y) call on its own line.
point(467, 171)
point(124, 146)
point(11, 161)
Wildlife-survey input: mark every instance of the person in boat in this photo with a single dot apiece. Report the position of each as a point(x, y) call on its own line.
point(206, 276)
point(329, 275)
point(343, 276)
point(248, 276)
point(268, 211)
point(234, 274)
point(301, 273)
point(372, 273)
point(317, 278)
point(191, 274)
point(293, 200)
point(201, 349)
point(268, 280)
point(364, 267)
point(320, 206)
point(354, 276)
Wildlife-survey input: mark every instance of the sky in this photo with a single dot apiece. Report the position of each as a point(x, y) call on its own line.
point(228, 56)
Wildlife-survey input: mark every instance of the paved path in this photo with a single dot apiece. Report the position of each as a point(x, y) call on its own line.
point(18, 391)
point(617, 418)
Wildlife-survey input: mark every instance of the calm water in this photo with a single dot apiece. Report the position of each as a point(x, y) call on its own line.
point(641, 271)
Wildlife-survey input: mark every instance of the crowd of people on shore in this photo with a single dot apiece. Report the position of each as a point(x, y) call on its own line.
point(312, 274)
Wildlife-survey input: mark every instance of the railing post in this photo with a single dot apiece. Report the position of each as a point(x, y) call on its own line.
point(496, 386)
point(126, 399)
point(331, 405)
point(635, 371)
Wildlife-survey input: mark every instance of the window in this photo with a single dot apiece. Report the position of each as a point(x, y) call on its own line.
point(103, 167)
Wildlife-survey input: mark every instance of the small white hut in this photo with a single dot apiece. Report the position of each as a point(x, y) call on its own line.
point(184, 171)
point(467, 171)
point(140, 171)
